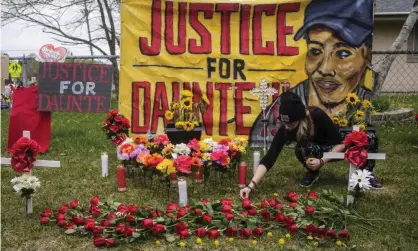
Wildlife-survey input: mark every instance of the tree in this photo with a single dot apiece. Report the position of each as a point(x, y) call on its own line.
point(382, 69)
point(94, 23)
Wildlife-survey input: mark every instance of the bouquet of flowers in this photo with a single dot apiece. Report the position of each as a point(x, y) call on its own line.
point(116, 127)
point(183, 113)
point(356, 153)
point(358, 111)
point(25, 185)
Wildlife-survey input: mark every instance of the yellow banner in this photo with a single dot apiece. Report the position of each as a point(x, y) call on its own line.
point(223, 49)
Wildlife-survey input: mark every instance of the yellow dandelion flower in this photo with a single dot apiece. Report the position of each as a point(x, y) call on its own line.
point(205, 99)
point(276, 195)
point(362, 127)
point(315, 243)
point(186, 93)
point(270, 234)
point(336, 120)
point(188, 126)
point(359, 116)
point(254, 242)
point(230, 239)
point(366, 103)
point(352, 99)
point(288, 235)
point(343, 123)
point(182, 244)
point(216, 243)
point(157, 243)
point(198, 241)
point(168, 115)
point(339, 243)
point(187, 103)
point(281, 241)
point(309, 237)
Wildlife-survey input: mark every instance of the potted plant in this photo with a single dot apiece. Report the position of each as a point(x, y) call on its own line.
point(184, 123)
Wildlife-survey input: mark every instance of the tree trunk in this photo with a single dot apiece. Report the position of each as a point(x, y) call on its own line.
point(382, 69)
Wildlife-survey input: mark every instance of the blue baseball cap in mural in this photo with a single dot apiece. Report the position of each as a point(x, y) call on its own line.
point(351, 20)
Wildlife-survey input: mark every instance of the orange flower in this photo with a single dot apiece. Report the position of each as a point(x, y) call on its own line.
point(153, 160)
point(197, 154)
point(140, 139)
point(127, 148)
point(141, 157)
point(196, 161)
point(225, 141)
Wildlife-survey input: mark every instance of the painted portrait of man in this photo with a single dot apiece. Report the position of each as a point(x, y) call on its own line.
point(338, 35)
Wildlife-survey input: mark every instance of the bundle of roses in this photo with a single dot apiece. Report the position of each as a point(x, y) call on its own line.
point(116, 127)
point(356, 144)
point(323, 217)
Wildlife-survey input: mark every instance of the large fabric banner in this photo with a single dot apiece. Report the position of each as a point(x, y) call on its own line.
point(319, 49)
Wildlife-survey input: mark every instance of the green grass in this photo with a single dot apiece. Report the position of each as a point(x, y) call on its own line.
point(78, 141)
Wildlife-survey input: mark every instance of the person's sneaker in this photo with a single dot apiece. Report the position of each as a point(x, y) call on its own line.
point(309, 179)
point(375, 183)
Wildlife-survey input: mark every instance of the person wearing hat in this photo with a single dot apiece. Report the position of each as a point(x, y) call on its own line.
point(338, 34)
point(312, 130)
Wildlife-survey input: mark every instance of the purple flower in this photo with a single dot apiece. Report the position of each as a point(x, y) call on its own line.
point(221, 147)
point(138, 149)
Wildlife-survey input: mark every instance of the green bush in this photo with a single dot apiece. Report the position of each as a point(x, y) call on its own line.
point(381, 104)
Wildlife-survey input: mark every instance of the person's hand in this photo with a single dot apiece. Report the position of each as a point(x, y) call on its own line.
point(314, 164)
point(245, 193)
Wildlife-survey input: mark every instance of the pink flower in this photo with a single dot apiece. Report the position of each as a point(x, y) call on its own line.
point(183, 164)
point(220, 157)
point(194, 144)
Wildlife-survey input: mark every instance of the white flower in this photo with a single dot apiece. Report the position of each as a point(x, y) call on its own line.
point(360, 179)
point(181, 149)
point(25, 182)
point(212, 144)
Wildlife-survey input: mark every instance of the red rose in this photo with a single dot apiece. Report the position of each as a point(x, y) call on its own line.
point(95, 210)
point(343, 234)
point(122, 209)
point(158, 229)
point(183, 164)
point(181, 212)
point(46, 213)
point(172, 207)
point(44, 220)
point(229, 216)
point(130, 218)
point(78, 220)
point(292, 228)
point(279, 217)
point(120, 228)
point(156, 213)
point(226, 208)
point(331, 234)
point(272, 202)
point(293, 205)
point(310, 230)
point(99, 241)
point(309, 210)
point(293, 196)
point(321, 232)
point(312, 195)
point(113, 112)
point(265, 214)
point(95, 200)
point(147, 223)
point(197, 211)
point(69, 226)
point(118, 118)
point(257, 232)
point(184, 233)
point(246, 204)
point(279, 206)
point(264, 204)
point(90, 223)
point(109, 242)
point(213, 233)
point(231, 231)
point(132, 209)
point(358, 139)
point(128, 231)
point(62, 223)
point(63, 208)
point(245, 233)
point(205, 201)
point(252, 211)
point(105, 223)
point(114, 129)
point(111, 216)
point(226, 202)
point(207, 219)
point(244, 213)
point(289, 221)
point(74, 204)
point(146, 208)
point(356, 155)
point(60, 216)
point(200, 232)
point(180, 226)
point(97, 231)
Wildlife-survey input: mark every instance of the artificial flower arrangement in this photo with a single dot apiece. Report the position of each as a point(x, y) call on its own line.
point(358, 111)
point(356, 144)
point(319, 219)
point(23, 154)
point(183, 112)
point(25, 185)
point(116, 127)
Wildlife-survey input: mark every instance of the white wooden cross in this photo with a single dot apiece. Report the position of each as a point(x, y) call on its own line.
point(43, 163)
point(264, 92)
point(353, 168)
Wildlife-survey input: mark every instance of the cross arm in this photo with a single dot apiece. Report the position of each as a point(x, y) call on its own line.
point(332, 155)
point(43, 163)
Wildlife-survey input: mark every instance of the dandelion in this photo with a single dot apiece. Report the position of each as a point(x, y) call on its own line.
point(198, 241)
point(270, 234)
point(216, 243)
point(339, 243)
point(287, 235)
point(315, 243)
point(157, 243)
point(309, 237)
point(276, 195)
point(254, 242)
point(182, 244)
point(352, 99)
point(230, 239)
point(281, 241)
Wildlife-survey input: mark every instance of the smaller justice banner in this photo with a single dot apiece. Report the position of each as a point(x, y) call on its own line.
point(72, 87)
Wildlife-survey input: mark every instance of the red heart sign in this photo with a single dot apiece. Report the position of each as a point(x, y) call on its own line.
point(50, 54)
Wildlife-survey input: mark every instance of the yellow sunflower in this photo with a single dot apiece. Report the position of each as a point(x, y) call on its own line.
point(336, 120)
point(165, 166)
point(352, 99)
point(179, 124)
point(188, 126)
point(196, 123)
point(205, 99)
point(186, 93)
point(175, 106)
point(343, 123)
point(187, 103)
point(169, 115)
point(359, 116)
point(362, 127)
point(366, 103)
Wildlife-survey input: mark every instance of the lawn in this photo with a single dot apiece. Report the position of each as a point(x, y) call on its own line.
point(78, 142)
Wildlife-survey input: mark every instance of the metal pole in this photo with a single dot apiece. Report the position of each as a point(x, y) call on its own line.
point(24, 73)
